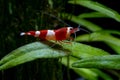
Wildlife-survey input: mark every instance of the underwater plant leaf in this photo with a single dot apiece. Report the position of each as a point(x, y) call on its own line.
point(21, 51)
point(116, 48)
point(92, 15)
point(102, 74)
point(85, 23)
point(90, 74)
point(82, 50)
point(98, 36)
point(110, 31)
point(84, 72)
point(28, 53)
point(98, 7)
point(102, 62)
point(104, 36)
point(91, 26)
point(38, 50)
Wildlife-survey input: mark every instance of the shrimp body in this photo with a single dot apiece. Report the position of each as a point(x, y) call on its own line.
point(56, 35)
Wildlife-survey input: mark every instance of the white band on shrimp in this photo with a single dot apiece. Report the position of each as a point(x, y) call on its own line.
point(37, 33)
point(21, 34)
point(68, 30)
point(50, 35)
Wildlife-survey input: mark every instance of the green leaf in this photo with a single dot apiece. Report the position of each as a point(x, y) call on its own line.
point(79, 50)
point(116, 48)
point(84, 72)
point(28, 53)
point(10, 7)
point(98, 36)
point(103, 62)
point(82, 51)
point(102, 74)
point(77, 19)
point(89, 74)
point(38, 50)
point(85, 23)
point(104, 36)
point(92, 15)
point(98, 7)
point(22, 50)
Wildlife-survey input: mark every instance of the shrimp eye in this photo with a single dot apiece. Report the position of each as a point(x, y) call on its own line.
point(71, 28)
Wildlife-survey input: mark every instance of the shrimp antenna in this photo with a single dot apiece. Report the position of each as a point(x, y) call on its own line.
point(79, 28)
point(56, 18)
point(83, 29)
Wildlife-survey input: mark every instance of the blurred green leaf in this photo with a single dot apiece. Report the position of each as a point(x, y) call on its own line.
point(28, 53)
point(84, 72)
point(98, 7)
point(116, 48)
point(110, 31)
point(102, 74)
point(92, 15)
point(90, 74)
point(102, 36)
point(50, 3)
point(21, 51)
point(77, 19)
point(10, 7)
point(86, 23)
point(98, 36)
point(103, 62)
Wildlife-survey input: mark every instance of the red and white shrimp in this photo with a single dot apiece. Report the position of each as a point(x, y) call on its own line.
point(56, 35)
